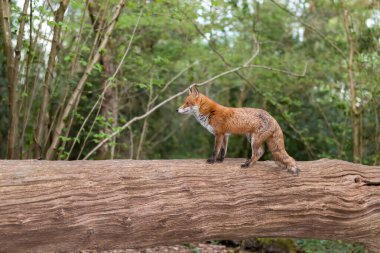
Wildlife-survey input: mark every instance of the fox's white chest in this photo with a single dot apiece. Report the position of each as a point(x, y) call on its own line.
point(203, 119)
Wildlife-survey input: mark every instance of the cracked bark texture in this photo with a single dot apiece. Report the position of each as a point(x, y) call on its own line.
point(69, 206)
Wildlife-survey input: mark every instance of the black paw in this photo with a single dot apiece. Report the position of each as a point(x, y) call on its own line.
point(245, 165)
point(295, 171)
point(219, 160)
point(210, 161)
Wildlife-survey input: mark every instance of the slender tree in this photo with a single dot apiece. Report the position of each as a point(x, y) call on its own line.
point(352, 87)
point(43, 119)
point(109, 108)
point(11, 78)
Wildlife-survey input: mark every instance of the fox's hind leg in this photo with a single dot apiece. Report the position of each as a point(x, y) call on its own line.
point(260, 152)
point(257, 150)
point(223, 150)
point(282, 158)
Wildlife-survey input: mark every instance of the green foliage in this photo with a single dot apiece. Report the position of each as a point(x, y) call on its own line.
point(283, 245)
point(325, 246)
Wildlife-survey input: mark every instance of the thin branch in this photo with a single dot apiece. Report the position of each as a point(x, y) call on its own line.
point(19, 39)
point(145, 124)
point(50, 6)
point(85, 139)
point(77, 39)
point(30, 57)
point(131, 141)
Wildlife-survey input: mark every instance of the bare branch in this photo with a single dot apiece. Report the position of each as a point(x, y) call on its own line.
point(256, 52)
point(131, 142)
point(77, 39)
point(85, 139)
point(50, 6)
point(19, 38)
point(145, 124)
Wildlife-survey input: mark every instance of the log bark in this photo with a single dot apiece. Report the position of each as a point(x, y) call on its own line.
point(59, 206)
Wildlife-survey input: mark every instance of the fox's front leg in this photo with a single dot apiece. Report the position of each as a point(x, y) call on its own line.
point(223, 150)
point(217, 147)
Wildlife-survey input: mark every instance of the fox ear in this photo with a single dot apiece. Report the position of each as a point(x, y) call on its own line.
point(193, 90)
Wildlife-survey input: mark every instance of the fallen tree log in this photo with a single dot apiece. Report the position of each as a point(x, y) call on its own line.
point(67, 206)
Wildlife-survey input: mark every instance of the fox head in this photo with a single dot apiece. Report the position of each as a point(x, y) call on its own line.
point(192, 102)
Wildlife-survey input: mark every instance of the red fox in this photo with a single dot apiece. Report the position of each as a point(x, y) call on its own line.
point(256, 124)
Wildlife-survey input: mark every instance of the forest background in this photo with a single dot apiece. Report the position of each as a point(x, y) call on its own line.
point(95, 79)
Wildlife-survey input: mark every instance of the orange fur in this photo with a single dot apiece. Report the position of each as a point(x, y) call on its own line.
point(258, 126)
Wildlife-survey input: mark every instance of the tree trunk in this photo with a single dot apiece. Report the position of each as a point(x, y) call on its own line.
point(73, 100)
point(109, 108)
point(11, 78)
point(351, 82)
point(61, 206)
point(43, 118)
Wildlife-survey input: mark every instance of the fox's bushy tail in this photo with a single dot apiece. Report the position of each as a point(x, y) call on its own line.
point(277, 148)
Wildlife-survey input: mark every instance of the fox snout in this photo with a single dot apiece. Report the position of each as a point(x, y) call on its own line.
point(183, 110)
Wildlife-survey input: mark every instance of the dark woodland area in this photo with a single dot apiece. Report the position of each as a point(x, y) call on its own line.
point(92, 79)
